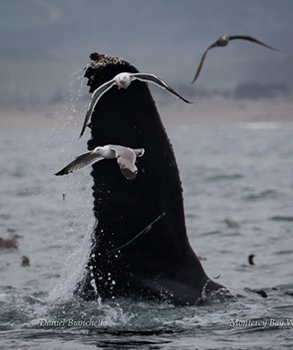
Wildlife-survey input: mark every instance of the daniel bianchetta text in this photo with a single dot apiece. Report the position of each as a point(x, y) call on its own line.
point(272, 322)
point(42, 322)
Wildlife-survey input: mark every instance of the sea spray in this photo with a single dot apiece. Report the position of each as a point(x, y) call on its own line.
point(78, 195)
point(73, 270)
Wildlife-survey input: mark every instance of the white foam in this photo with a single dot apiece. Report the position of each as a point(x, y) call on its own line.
point(74, 270)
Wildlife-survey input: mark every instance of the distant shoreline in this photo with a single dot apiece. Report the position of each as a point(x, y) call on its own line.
point(204, 111)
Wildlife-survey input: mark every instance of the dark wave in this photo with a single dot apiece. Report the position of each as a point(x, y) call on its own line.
point(222, 177)
point(261, 195)
point(281, 218)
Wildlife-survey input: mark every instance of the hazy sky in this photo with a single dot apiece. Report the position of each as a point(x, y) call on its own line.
point(44, 42)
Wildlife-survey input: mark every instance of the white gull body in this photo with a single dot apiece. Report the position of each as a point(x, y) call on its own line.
point(123, 80)
point(126, 158)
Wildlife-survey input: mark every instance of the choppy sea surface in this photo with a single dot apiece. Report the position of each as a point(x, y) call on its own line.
point(241, 173)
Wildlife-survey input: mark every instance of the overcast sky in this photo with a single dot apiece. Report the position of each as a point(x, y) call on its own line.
point(46, 43)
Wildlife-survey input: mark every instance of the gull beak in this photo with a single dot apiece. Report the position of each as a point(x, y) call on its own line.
point(121, 80)
point(92, 153)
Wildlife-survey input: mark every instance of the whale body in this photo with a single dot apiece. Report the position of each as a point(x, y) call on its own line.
point(140, 248)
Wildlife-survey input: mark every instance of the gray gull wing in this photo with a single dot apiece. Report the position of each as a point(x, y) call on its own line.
point(80, 162)
point(202, 60)
point(145, 77)
point(97, 94)
point(250, 38)
point(126, 160)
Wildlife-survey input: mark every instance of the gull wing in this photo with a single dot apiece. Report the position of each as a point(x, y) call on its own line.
point(80, 162)
point(146, 77)
point(97, 94)
point(126, 160)
point(202, 60)
point(250, 38)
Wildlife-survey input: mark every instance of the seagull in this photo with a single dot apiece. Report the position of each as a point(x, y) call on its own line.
point(223, 41)
point(125, 156)
point(123, 80)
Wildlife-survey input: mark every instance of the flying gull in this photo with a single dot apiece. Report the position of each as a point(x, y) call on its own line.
point(223, 41)
point(126, 158)
point(123, 80)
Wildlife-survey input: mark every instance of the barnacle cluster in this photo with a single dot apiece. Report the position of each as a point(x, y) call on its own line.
point(100, 60)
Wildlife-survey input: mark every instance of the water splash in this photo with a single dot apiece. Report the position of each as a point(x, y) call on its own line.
point(73, 271)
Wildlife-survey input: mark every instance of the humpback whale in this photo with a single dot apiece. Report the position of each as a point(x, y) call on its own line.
point(140, 247)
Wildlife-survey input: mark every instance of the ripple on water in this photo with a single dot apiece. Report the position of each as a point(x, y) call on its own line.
point(281, 218)
point(215, 185)
point(261, 195)
point(223, 177)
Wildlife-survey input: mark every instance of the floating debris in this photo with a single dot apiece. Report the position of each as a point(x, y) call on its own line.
point(250, 259)
point(9, 243)
point(231, 223)
point(25, 261)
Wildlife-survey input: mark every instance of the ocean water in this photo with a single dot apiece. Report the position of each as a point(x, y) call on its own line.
point(240, 172)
